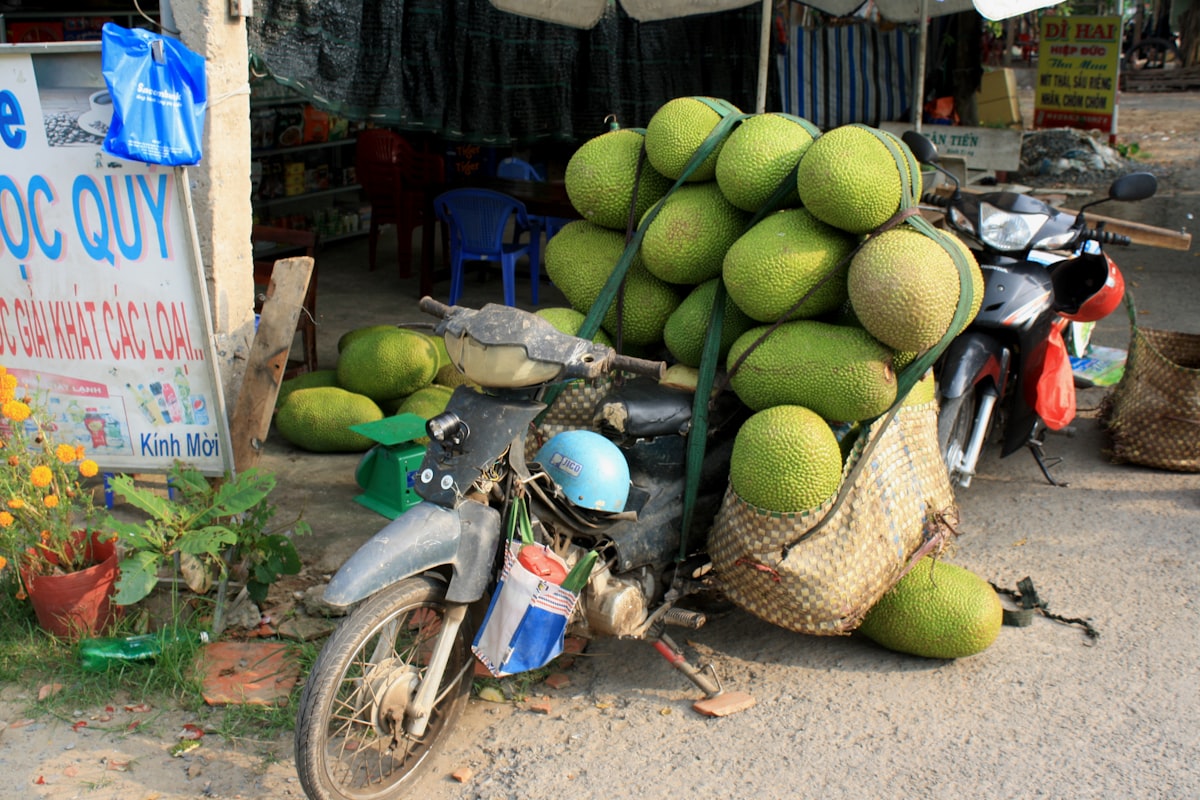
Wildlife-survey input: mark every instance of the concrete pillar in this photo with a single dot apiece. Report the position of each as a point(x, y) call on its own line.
point(220, 183)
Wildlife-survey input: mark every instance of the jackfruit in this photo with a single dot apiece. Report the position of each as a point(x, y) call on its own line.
point(687, 239)
point(318, 419)
point(782, 258)
point(389, 363)
point(600, 179)
point(904, 288)
point(681, 376)
point(849, 178)
point(676, 131)
point(785, 459)
point(687, 328)
point(568, 320)
point(426, 403)
point(579, 260)
point(305, 380)
point(350, 335)
point(760, 155)
point(841, 373)
point(937, 610)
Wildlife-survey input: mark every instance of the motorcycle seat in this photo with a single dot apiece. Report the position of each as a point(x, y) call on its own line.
point(643, 409)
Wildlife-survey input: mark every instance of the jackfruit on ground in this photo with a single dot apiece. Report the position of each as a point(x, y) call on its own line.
point(305, 380)
point(781, 259)
point(676, 131)
point(687, 328)
point(760, 155)
point(937, 610)
point(426, 403)
point(785, 459)
point(579, 260)
point(389, 363)
point(841, 373)
point(350, 335)
point(904, 287)
point(849, 179)
point(319, 419)
point(600, 177)
point(687, 239)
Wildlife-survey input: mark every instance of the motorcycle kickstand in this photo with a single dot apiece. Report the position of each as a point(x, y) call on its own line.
point(717, 702)
point(1035, 446)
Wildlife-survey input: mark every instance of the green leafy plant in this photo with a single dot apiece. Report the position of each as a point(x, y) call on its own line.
point(205, 528)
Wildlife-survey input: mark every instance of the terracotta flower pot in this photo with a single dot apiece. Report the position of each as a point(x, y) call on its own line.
point(78, 603)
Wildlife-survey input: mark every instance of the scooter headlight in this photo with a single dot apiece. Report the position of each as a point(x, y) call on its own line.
point(447, 428)
point(1006, 231)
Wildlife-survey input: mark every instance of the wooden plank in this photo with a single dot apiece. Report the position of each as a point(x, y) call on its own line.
point(982, 148)
point(268, 359)
point(1139, 233)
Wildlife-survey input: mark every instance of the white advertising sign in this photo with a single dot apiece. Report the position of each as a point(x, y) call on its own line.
point(103, 308)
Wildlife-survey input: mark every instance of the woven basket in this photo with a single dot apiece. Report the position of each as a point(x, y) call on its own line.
point(572, 410)
point(1153, 414)
point(893, 510)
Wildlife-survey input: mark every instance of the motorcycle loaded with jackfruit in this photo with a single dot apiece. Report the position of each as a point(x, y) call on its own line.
point(1043, 268)
point(595, 514)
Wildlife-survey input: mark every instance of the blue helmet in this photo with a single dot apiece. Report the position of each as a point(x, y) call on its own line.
point(590, 469)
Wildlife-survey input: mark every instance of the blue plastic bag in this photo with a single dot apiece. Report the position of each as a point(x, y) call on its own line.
point(159, 94)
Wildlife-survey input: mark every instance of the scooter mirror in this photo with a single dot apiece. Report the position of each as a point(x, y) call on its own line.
point(1134, 186)
point(922, 149)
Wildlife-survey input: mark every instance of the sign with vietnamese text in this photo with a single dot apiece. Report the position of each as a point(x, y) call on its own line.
point(1078, 61)
point(103, 309)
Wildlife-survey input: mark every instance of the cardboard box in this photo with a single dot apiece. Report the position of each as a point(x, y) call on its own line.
point(999, 112)
point(997, 84)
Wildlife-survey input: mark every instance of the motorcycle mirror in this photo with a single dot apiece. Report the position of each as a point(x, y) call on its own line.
point(922, 149)
point(1134, 186)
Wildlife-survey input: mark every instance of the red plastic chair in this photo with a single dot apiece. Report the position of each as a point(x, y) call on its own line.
point(477, 220)
point(397, 180)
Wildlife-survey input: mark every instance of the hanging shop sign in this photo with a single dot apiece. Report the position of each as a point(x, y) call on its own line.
point(103, 307)
point(1078, 63)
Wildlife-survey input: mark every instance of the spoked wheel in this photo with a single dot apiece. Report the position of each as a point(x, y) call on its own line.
point(955, 420)
point(350, 737)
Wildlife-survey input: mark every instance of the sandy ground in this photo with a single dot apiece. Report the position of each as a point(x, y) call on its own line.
point(1045, 712)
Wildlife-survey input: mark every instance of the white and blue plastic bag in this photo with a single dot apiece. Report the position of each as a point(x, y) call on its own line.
point(159, 94)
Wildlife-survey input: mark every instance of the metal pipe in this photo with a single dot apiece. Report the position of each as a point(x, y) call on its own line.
point(764, 55)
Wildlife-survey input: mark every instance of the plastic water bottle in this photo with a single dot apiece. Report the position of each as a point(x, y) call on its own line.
point(97, 655)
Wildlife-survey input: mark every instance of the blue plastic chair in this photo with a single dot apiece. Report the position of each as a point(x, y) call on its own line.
point(477, 220)
point(516, 169)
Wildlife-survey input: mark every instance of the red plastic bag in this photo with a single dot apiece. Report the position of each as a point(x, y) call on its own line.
point(1052, 394)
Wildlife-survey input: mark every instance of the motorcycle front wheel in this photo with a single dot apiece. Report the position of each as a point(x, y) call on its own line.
point(956, 417)
point(350, 737)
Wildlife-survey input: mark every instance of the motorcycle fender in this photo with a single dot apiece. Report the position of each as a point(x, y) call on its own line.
point(971, 358)
point(424, 537)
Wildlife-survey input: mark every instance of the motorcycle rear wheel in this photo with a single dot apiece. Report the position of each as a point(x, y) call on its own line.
point(352, 708)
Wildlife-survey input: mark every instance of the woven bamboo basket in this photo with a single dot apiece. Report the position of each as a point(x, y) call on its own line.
point(572, 410)
point(895, 505)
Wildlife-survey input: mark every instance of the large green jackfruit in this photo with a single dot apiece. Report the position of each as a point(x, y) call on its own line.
point(387, 363)
point(319, 419)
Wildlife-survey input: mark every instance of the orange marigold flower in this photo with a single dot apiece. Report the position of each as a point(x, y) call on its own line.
point(6, 519)
point(80, 452)
point(16, 410)
point(45, 537)
point(65, 453)
point(40, 476)
point(3, 562)
point(88, 468)
point(14, 461)
point(16, 503)
point(50, 501)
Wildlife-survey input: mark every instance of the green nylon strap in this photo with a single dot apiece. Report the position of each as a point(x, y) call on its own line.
point(809, 128)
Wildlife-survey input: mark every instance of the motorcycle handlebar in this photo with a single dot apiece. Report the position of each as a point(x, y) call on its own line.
point(935, 199)
point(433, 307)
point(639, 366)
point(1105, 237)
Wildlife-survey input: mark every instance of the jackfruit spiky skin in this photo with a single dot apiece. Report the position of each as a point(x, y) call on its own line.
point(569, 321)
point(904, 288)
point(579, 260)
point(937, 610)
point(785, 459)
point(676, 131)
point(849, 179)
point(350, 335)
point(600, 177)
point(758, 156)
point(426, 403)
point(686, 241)
point(306, 380)
point(841, 373)
point(387, 363)
point(923, 391)
point(318, 419)
point(775, 263)
point(687, 327)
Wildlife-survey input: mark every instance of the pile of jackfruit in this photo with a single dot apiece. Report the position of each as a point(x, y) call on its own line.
point(798, 228)
point(381, 370)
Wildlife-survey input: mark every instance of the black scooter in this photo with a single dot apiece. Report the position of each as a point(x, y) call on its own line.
point(1042, 268)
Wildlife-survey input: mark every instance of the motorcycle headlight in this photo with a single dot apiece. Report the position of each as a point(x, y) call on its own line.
point(1006, 231)
point(1057, 242)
